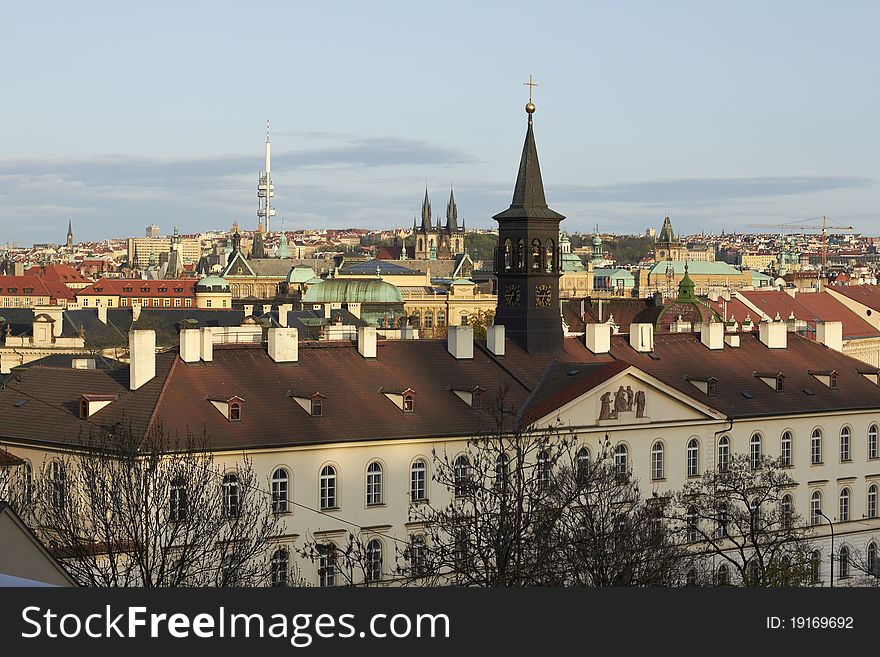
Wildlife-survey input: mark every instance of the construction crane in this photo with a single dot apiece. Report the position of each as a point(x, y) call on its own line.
point(794, 225)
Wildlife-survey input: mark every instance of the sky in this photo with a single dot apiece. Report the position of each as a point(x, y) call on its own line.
point(116, 115)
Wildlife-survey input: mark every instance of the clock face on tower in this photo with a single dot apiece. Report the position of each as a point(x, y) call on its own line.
point(511, 294)
point(543, 295)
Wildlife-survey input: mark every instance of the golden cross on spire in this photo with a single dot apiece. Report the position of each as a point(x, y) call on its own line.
point(530, 84)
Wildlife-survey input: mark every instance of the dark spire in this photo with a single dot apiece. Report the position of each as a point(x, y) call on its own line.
point(426, 214)
point(528, 194)
point(666, 234)
point(451, 214)
point(258, 250)
point(69, 228)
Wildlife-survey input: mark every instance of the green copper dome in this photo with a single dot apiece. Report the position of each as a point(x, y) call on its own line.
point(300, 275)
point(341, 290)
point(212, 284)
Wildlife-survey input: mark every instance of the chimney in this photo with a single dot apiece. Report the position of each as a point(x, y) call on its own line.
point(267, 308)
point(283, 345)
point(135, 310)
point(830, 334)
point(495, 339)
point(190, 349)
point(367, 341)
point(407, 332)
point(248, 309)
point(773, 334)
point(460, 342)
point(732, 340)
point(712, 334)
point(641, 337)
point(598, 337)
point(283, 309)
point(142, 357)
point(102, 314)
point(206, 338)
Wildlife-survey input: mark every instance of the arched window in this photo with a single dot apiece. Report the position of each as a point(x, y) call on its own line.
point(280, 487)
point(815, 566)
point(872, 442)
point(26, 473)
point(327, 564)
point(543, 470)
point(502, 472)
point(844, 443)
point(520, 255)
point(441, 318)
point(723, 575)
point(463, 319)
point(408, 403)
point(843, 562)
point(872, 561)
point(816, 508)
point(872, 501)
point(234, 412)
point(537, 252)
point(507, 256)
point(231, 498)
point(755, 451)
point(657, 461)
point(722, 520)
point(621, 461)
point(328, 487)
point(549, 256)
point(58, 485)
point(785, 449)
point(816, 447)
point(374, 561)
point(429, 319)
point(374, 484)
point(843, 507)
point(418, 561)
point(786, 509)
point(691, 525)
point(280, 559)
point(693, 457)
point(755, 516)
point(582, 464)
point(415, 319)
point(418, 481)
point(723, 454)
point(178, 507)
point(462, 475)
point(421, 244)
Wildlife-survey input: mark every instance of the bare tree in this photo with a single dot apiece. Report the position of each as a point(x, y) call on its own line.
point(742, 517)
point(124, 510)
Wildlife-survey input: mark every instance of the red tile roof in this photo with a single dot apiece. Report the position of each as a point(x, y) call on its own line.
point(38, 287)
point(868, 295)
point(57, 273)
point(811, 307)
point(131, 287)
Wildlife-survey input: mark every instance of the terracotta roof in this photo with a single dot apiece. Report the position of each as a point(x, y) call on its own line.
point(16, 286)
point(811, 307)
point(57, 273)
point(868, 295)
point(130, 287)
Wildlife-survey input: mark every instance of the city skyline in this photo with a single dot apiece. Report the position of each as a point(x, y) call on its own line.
point(721, 115)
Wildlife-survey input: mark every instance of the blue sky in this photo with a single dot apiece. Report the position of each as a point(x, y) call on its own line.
point(115, 115)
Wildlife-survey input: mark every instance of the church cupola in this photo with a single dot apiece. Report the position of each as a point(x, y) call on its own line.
point(527, 262)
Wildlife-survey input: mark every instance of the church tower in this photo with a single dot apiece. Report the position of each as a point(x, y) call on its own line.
point(69, 234)
point(527, 263)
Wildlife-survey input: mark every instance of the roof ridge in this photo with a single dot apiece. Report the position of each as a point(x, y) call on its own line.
point(161, 395)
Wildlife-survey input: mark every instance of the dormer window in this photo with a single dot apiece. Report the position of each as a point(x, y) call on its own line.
point(403, 398)
point(83, 407)
point(706, 384)
point(773, 379)
point(229, 406)
point(712, 387)
point(163, 289)
point(828, 378)
point(408, 403)
point(318, 406)
point(145, 288)
point(90, 404)
point(477, 398)
point(127, 288)
point(473, 397)
point(779, 380)
point(311, 402)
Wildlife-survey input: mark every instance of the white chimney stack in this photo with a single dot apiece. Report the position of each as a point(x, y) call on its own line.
point(102, 314)
point(460, 342)
point(248, 309)
point(190, 349)
point(283, 309)
point(712, 335)
point(142, 357)
point(495, 339)
point(283, 345)
point(206, 338)
point(367, 341)
point(773, 334)
point(267, 308)
point(597, 337)
point(641, 337)
point(830, 334)
point(135, 310)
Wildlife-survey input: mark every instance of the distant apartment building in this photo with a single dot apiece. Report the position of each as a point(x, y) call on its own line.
point(143, 251)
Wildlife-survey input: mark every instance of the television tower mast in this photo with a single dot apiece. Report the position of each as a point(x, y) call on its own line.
point(265, 188)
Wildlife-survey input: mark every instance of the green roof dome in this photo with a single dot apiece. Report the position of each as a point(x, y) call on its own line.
point(341, 290)
point(300, 274)
point(212, 284)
